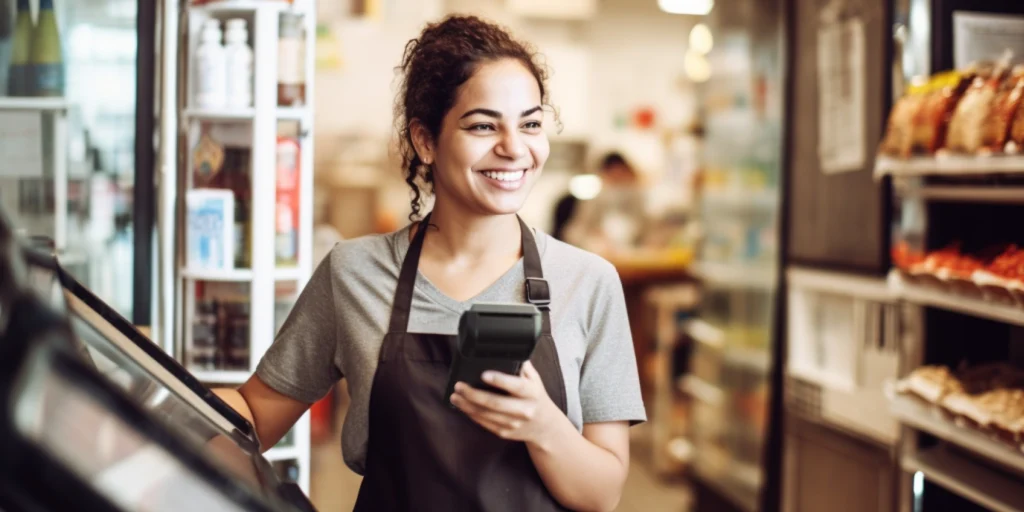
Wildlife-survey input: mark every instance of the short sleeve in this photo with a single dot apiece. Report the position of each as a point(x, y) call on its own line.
point(609, 381)
point(301, 362)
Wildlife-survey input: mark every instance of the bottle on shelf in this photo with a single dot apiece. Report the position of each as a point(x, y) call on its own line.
point(46, 59)
point(235, 178)
point(287, 204)
point(235, 346)
point(20, 73)
point(238, 59)
point(211, 86)
point(291, 61)
point(204, 335)
point(7, 12)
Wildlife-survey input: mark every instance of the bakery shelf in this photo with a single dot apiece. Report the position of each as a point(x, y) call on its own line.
point(222, 114)
point(972, 194)
point(949, 165)
point(705, 333)
point(971, 480)
point(921, 416)
point(750, 359)
point(238, 274)
point(701, 390)
point(927, 296)
point(229, 275)
point(737, 275)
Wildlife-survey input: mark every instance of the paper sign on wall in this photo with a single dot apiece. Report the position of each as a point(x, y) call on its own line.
point(979, 37)
point(21, 144)
point(842, 143)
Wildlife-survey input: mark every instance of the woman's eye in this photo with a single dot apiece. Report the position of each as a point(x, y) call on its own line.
point(532, 125)
point(481, 128)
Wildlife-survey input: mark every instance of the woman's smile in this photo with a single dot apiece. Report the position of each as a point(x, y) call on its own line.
point(504, 179)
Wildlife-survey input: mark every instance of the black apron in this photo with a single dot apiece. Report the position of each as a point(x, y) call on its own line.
point(425, 455)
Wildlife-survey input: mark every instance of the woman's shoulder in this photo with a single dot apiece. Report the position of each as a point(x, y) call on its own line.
point(567, 260)
point(365, 252)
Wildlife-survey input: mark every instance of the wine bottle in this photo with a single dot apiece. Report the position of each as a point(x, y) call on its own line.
point(20, 77)
point(47, 61)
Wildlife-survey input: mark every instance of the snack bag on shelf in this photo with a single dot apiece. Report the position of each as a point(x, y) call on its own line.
point(1004, 107)
point(900, 127)
point(930, 383)
point(966, 126)
point(931, 121)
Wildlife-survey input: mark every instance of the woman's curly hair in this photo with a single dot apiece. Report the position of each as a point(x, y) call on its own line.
point(434, 65)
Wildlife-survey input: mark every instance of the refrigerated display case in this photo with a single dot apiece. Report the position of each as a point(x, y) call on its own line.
point(72, 159)
point(738, 261)
point(96, 417)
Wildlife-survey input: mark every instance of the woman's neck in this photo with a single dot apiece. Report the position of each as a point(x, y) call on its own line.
point(466, 238)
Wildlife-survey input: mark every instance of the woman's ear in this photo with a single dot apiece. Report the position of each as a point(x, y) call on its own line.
point(422, 141)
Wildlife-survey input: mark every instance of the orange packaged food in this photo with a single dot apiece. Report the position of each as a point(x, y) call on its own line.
point(966, 126)
point(899, 129)
point(931, 121)
point(1004, 107)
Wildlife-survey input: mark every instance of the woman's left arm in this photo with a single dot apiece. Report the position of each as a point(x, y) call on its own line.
point(582, 471)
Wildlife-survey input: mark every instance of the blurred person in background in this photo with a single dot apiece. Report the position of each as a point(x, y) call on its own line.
point(383, 311)
point(613, 220)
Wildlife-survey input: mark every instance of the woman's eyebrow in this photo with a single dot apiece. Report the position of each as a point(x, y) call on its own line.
point(497, 115)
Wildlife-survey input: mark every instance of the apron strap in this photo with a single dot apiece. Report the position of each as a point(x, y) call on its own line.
point(537, 291)
point(407, 280)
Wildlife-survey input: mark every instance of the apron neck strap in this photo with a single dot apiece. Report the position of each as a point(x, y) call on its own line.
point(537, 291)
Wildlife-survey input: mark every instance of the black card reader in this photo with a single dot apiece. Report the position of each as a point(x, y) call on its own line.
point(499, 337)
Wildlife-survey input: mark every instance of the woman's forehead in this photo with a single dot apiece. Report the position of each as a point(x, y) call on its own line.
point(500, 85)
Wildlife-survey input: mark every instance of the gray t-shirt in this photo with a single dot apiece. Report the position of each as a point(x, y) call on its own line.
point(338, 324)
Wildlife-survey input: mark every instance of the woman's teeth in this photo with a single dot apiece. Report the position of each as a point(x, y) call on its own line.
point(504, 175)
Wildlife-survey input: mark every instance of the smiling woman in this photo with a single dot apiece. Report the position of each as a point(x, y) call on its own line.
point(383, 311)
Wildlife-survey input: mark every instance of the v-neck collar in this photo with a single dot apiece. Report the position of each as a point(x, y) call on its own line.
point(505, 286)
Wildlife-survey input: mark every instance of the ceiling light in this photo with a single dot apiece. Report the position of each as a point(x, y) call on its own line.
point(696, 66)
point(694, 7)
point(701, 40)
point(585, 186)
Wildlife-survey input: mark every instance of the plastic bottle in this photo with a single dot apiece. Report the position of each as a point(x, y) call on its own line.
point(238, 60)
point(291, 61)
point(211, 88)
point(20, 77)
point(46, 58)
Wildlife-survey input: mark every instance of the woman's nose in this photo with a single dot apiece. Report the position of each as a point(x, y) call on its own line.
point(511, 146)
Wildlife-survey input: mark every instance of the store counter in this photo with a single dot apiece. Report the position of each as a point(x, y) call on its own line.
point(94, 416)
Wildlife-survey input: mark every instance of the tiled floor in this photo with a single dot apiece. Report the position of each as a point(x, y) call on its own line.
point(334, 486)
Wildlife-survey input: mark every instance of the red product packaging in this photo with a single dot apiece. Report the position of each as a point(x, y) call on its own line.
point(286, 231)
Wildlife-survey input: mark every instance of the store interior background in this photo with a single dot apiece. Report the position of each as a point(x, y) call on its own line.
point(782, 304)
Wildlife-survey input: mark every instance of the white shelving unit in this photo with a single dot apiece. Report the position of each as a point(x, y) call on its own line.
point(257, 128)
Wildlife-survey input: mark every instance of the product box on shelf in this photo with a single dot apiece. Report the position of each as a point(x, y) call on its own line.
point(210, 229)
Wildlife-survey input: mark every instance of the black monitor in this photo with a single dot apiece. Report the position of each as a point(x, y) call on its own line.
point(95, 416)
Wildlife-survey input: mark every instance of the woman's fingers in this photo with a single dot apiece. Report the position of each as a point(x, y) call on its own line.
point(513, 384)
point(482, 415)
point(511, 406)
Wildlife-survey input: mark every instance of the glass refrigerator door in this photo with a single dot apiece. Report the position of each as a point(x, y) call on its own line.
point(67, 133)
point(738, 259)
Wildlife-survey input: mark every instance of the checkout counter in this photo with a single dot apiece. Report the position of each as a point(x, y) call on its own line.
point(94, 416)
